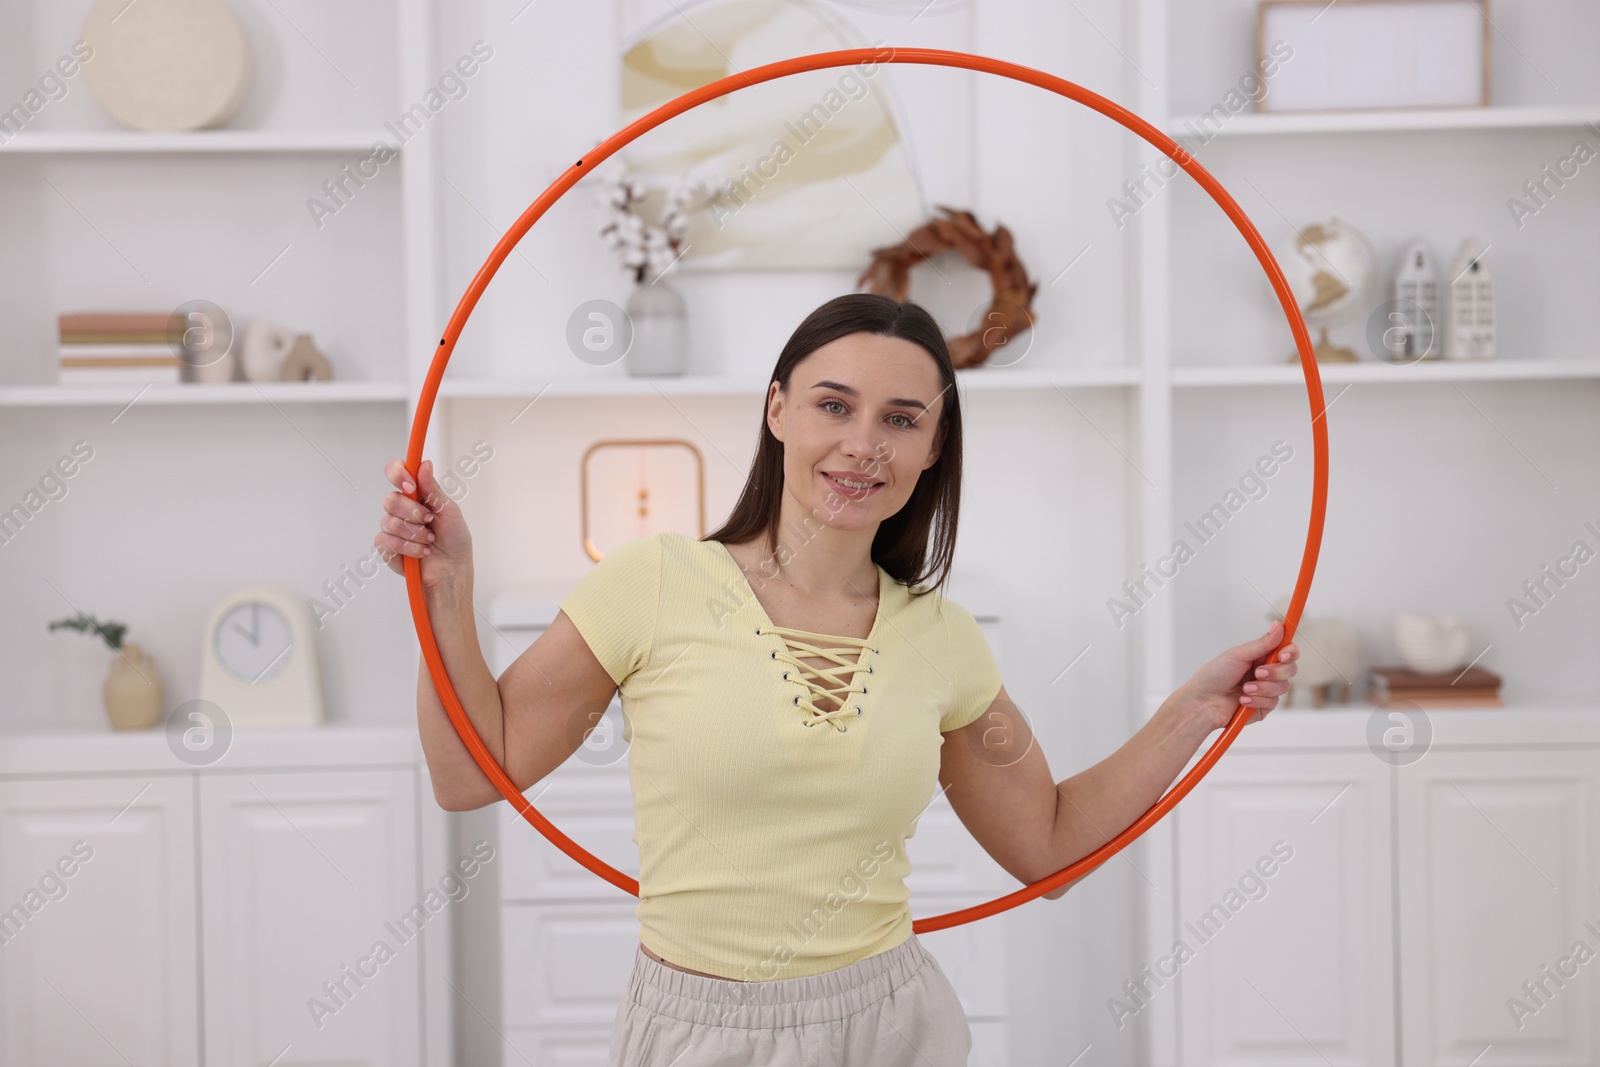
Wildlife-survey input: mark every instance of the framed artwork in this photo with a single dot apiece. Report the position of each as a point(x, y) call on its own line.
point(818, 168)
point(1375, 54)
point(633, 488)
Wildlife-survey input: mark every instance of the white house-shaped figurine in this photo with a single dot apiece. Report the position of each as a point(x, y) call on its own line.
point(1413, 327)
point(1469, 305)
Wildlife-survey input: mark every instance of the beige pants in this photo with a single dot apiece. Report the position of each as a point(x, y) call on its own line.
point(895, 1009)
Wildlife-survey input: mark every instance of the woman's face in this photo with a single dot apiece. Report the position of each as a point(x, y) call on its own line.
point(859, 424)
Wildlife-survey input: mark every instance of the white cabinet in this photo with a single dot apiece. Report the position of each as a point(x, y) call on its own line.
point(98, 937)
point(310, 942)
point(229, 915)
point(1418, 900)
point(1284, 904)
point(1501, 862)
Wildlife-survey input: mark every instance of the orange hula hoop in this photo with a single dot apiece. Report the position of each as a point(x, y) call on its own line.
point(770, 72)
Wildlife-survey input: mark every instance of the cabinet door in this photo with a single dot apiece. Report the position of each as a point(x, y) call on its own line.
point(97, 966)
point(315, 918)
point(1498, 869)
point(1284, 955)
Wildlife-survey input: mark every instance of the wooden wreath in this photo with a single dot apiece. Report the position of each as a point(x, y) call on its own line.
point(1010, 312)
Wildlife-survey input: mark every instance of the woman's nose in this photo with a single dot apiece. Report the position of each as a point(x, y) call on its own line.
point(861, 445)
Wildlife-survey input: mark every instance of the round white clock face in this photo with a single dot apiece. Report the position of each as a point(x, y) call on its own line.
point(253, 641)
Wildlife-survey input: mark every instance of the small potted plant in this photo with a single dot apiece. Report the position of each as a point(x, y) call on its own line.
point(132, 691)
point(656, 310)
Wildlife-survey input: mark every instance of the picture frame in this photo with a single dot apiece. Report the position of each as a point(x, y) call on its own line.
point(1376, 55)
point(668, 483)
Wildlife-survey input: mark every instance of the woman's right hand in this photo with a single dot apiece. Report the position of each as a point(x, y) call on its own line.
point(430, 528)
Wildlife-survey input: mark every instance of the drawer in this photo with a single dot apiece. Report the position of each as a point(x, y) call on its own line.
point(557, 1046)
point(566, 965)
point(591, 806)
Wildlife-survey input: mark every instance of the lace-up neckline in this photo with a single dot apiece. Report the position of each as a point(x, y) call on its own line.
point(824, 681)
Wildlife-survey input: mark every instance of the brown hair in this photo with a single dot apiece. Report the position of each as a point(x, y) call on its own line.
point(901, 546)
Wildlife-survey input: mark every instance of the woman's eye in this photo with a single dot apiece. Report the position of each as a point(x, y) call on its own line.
point(830, 405)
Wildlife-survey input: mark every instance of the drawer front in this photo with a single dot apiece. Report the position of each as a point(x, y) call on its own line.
point(591, 806)
point(566, 965)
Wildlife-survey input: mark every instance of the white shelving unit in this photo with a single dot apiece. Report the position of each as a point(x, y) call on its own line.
point(1440, 494)
point(152, 529)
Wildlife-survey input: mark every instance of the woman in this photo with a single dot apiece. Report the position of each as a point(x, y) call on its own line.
point(795, 690)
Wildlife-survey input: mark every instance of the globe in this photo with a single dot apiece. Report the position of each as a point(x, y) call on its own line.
point(1332, 269)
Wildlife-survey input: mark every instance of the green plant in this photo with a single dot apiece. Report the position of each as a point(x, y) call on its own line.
point(109, 630)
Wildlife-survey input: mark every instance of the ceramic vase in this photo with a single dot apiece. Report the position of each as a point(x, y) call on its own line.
point(660, 331)
point(1432, 645)
point(133, 690)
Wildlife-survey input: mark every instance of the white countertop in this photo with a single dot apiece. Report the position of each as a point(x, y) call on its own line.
point(336, 745)
point(146, 751)
point(1345, 727)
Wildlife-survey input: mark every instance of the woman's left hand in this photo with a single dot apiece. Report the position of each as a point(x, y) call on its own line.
point(1245, 674)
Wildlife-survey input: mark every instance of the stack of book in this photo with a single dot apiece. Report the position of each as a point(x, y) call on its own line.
point(116, 348)
point(1472, 688)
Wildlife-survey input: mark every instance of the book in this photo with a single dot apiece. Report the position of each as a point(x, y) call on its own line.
point(1398, 678)
point(1481, 700)
point(95, 355)
point(122, 375)
point(113, 327)
point(93, 321)
point(113, 337)
point(1475, 687)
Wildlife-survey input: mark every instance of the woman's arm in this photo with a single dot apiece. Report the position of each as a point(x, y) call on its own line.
point(1000, 785)
point(531, 719)
point(458, 783)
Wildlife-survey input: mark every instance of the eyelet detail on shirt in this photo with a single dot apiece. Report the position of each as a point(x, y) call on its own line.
point(806, 725)
point(786, 676)
point(774, 654)
point(797, 704)
point(871, 670)
point(863, 690)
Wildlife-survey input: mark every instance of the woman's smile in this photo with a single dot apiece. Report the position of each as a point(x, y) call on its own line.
point(854, 488)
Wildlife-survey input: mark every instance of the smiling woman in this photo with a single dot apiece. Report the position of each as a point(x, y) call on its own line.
point(795, 690)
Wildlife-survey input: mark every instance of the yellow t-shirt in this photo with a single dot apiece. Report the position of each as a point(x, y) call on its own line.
point(771, 839)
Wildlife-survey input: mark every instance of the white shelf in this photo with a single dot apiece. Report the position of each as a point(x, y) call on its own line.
point(517, 388)
point(1455, 370)
point(729, 385)
point(135, 142)
point(146, 752)
point(1344, 726)
point(1066, 378)
point(1466, 118)
point(60, 396)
